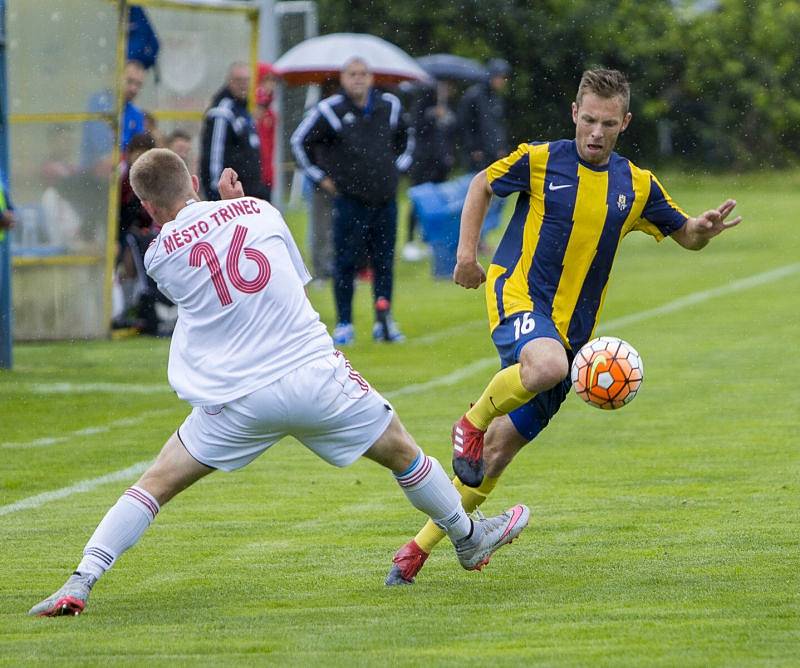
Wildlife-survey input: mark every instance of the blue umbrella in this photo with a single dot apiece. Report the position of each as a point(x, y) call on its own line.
point(449, 66)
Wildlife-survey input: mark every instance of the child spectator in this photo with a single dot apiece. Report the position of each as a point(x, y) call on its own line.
point(179, 141)
point(136, 231)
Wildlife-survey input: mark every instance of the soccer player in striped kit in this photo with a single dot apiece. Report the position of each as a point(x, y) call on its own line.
point(252, 357)
point(546, 284)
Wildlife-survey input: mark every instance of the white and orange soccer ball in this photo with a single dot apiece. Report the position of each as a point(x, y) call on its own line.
point(607, 372)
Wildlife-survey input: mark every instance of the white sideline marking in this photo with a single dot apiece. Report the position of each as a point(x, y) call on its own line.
point(448, 332)
point(448, 379)
point(459, 374)
point(704, 295)
point(82, 486)
point(85, 388)
point(86, 431)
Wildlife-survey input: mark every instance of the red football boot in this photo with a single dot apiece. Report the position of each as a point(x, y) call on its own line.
point(407, 562)
point(468, 452)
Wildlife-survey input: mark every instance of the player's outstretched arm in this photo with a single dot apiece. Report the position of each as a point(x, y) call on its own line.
point(229, 186)
point(697, 232)
point(468, 272)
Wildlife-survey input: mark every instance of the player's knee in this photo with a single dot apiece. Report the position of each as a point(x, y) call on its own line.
point(544, 371)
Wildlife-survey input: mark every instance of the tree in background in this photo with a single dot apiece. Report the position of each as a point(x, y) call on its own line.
point(714, 82)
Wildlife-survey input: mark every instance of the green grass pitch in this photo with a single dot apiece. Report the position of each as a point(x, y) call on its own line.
point(664, 534)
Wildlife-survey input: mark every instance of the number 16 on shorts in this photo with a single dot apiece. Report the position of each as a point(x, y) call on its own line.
point(524, 325)
point(511, 335)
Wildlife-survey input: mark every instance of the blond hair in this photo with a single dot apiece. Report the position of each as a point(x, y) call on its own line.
point(606, 84)
point(161, 177)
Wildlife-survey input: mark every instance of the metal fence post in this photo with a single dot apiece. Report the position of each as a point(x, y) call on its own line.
point(6, 323)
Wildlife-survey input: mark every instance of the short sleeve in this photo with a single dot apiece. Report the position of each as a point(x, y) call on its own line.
point(660, 212)
point(150, 254)
point(155, 268)
point(511, 174)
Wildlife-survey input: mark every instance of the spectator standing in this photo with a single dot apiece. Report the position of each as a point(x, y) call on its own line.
point(229, 137)
point(320, 206)
point(131, 212)
point(482, 117)
point(97, 141)
point(368, 143)
point(136, 230)
point(266, 123)
point(434, 124)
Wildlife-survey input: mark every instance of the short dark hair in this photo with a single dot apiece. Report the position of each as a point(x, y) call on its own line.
point(142, 142)
point(605, 83)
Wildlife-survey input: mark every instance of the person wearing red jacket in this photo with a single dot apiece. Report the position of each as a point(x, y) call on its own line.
point(266, 123)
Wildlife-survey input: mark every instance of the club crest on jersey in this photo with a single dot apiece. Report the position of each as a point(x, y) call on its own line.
point(349, 118)
point(622, 202)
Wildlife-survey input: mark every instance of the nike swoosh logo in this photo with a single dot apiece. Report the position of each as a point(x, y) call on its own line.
point(600, 359)
point(516, 512)
point(552, 186)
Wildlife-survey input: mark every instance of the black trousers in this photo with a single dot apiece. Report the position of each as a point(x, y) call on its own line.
point(358, 229)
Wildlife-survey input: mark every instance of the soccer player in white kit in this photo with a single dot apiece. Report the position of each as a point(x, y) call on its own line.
point(252, 357)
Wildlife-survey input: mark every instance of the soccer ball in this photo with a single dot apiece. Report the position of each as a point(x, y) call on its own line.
point(607, 372)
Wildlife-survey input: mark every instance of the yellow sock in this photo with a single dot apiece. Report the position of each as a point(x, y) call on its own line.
point(471, 498)
point(504, 393)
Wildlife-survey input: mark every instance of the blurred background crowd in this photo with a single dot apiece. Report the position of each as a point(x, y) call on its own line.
point(713, 79)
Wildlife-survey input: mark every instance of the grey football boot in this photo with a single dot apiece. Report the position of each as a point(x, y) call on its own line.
point(71, 599)
point(490, 534)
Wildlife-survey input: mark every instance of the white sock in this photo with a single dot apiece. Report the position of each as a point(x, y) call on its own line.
point(120, 529)
point(430, 490)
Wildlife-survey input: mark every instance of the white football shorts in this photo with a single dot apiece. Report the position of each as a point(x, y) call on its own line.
point(325, 404)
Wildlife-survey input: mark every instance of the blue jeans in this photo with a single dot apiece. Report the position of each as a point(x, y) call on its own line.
point(361, 230)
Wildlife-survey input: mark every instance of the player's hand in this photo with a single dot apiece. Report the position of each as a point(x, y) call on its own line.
point(229, 186)
point(712, 222)
point(469, 274)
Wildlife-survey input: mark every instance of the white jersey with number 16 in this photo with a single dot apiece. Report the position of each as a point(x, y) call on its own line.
point(237, 277)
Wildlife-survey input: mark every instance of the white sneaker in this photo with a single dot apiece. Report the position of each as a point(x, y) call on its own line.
point(414, 253)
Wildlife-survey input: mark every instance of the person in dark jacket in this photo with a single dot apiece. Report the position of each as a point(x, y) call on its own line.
point(136, 231)
point(230, 139)
point(482, 117)
point(367, 144)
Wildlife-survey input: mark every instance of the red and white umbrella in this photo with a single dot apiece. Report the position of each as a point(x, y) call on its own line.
point(321, 58)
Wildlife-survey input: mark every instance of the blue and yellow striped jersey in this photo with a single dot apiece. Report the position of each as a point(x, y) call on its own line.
point(556, 255)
